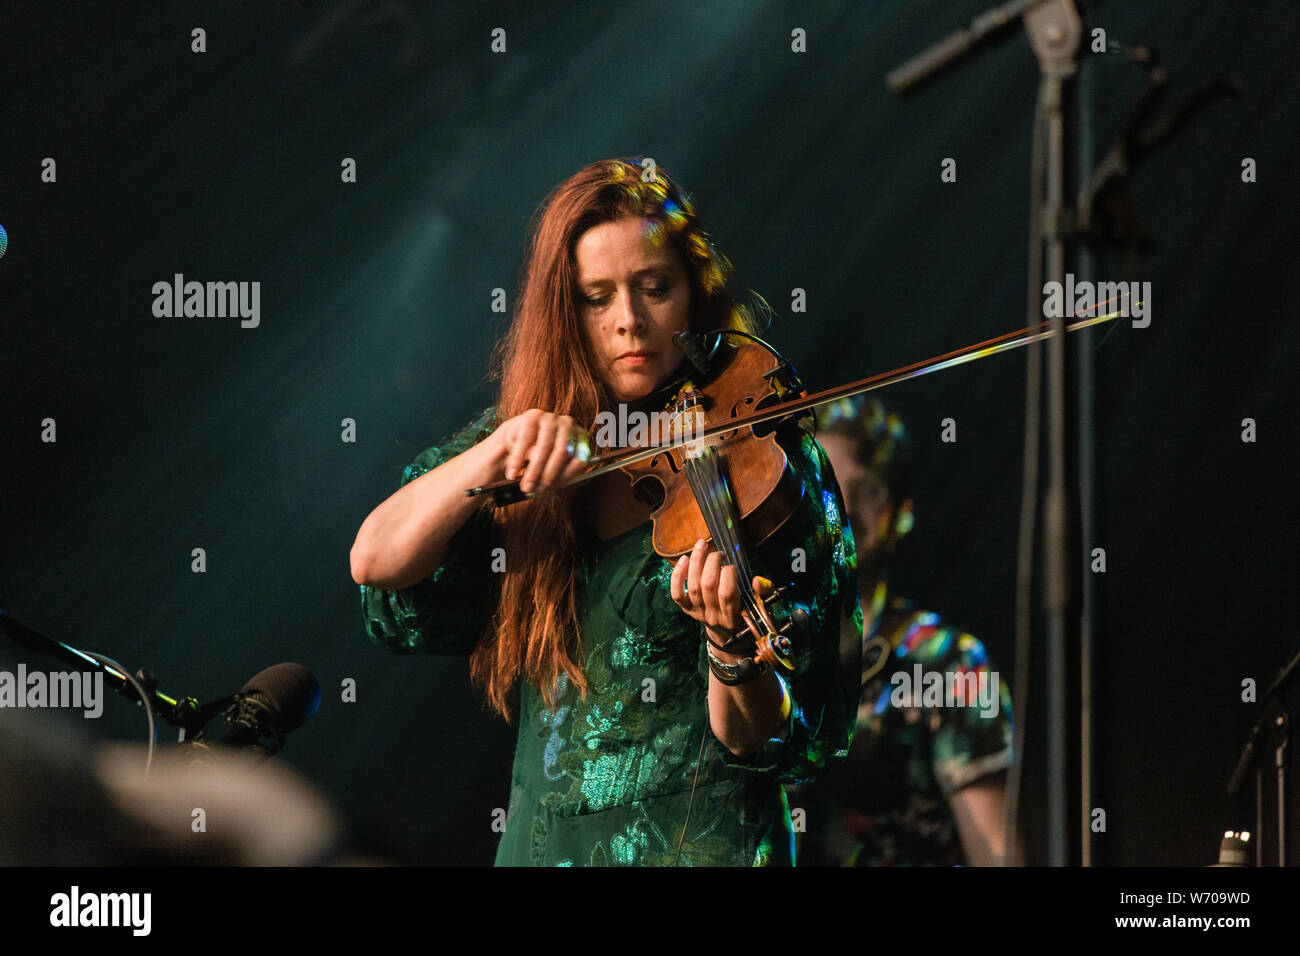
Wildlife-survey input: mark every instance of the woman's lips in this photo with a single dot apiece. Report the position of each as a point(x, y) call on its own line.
point(636, 358)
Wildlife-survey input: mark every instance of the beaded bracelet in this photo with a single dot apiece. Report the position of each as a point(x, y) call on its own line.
point(729, 646)
point(745, 669)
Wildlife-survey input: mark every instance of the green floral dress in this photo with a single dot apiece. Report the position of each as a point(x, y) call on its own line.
point(607, 780)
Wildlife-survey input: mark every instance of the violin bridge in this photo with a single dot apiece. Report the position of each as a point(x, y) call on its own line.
point(688, 421)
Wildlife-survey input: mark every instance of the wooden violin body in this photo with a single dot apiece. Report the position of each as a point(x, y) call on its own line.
point(763, 487)
point(734, 487)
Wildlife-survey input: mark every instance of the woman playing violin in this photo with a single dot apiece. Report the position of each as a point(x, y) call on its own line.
point(638, 743)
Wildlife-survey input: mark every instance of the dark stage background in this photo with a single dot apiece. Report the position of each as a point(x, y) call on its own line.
point(178, 433)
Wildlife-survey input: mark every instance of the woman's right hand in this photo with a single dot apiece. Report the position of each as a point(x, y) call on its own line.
point(406, 537)
point(541, 449)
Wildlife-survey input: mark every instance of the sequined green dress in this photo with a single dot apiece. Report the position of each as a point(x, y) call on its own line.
point(607, 780)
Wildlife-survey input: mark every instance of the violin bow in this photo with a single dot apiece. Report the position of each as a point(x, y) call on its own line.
point(507, 490)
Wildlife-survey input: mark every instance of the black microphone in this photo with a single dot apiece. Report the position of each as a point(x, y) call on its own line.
point(272, 703)
point(692, 343)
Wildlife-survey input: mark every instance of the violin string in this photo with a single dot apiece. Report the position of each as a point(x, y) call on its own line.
point(747, 572)
point(742, 556)
point(703, 500)
point(726, 505)
point(703, 497)
point(735, 553)
point(718, 507)
point(722, 537)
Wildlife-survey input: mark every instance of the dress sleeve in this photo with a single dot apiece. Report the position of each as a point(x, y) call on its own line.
point(446, 612)
point(813, 552)
point(972, 738)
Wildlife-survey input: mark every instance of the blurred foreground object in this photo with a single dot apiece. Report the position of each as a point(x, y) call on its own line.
point(64, 802)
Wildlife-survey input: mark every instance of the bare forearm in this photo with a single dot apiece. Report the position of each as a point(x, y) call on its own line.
point(977, 810)
point(743, 716)
point(405, 538)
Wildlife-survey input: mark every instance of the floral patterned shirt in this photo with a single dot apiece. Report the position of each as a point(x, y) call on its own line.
point(917, 743)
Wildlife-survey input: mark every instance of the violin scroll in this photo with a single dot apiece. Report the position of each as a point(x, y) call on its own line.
point(775, 642)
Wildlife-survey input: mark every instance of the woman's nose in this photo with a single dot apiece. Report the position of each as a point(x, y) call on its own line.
point(628, 316)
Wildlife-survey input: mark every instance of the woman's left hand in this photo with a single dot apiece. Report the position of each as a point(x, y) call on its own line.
point(709, 591)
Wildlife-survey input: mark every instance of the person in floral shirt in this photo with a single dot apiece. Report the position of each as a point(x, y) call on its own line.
point(923, 783)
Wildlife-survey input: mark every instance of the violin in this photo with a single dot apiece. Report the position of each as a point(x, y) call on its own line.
point(716, 478)
point(724, 405)
point(735, 487)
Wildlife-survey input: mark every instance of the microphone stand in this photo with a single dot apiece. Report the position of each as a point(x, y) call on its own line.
point(1054, 29)
point(252, 723)
point(1102, 214)
point(1274, 722)
point(1054, 33)
point(185, 713)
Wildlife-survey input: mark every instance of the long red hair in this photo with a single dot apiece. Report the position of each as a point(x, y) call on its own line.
point(544, 361)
